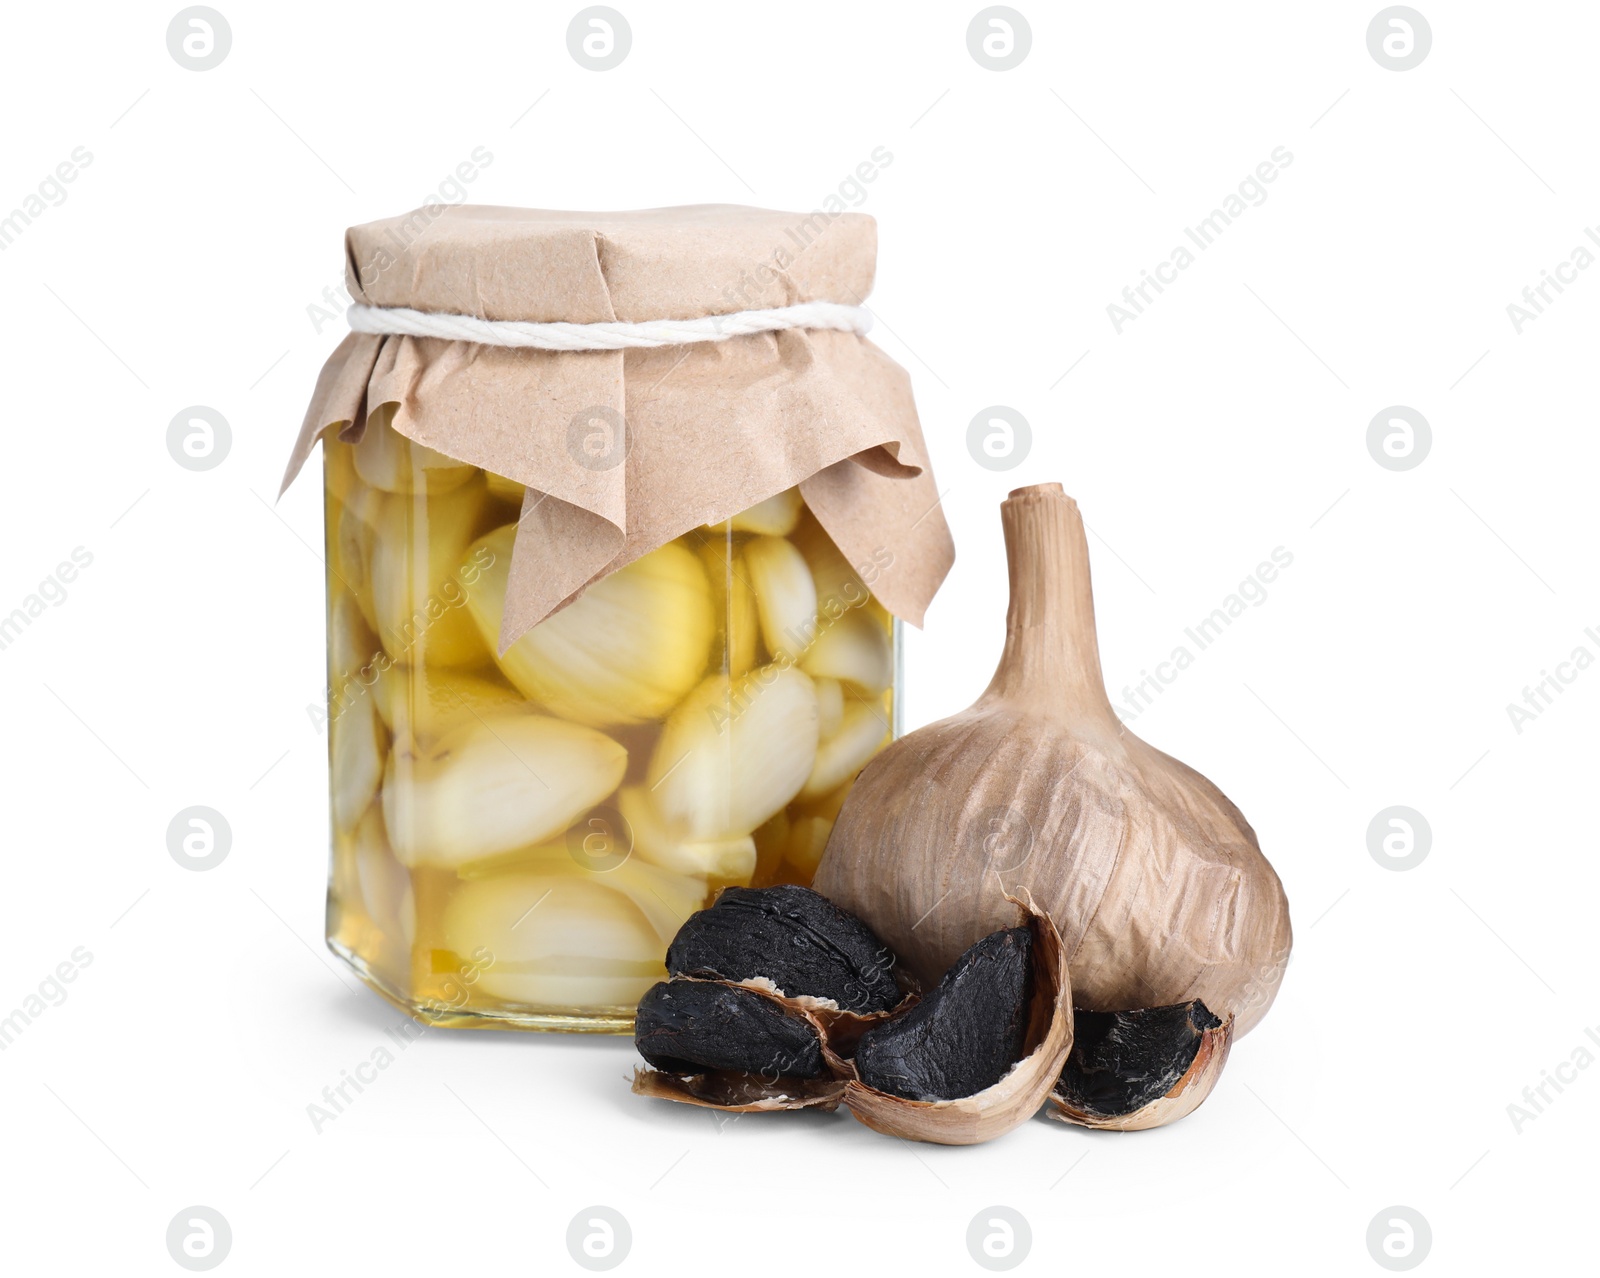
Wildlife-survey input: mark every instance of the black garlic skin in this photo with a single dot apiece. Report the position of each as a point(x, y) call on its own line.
point(691, 1027)
point(800, 941)
point(1123, 1061)
point(963, 1037)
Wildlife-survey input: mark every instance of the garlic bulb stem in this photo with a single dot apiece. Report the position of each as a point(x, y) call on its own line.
point(1051, 653)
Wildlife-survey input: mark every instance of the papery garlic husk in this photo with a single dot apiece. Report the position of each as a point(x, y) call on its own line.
point(853, 647)
point(420, 589)
point(386, 459)
point(738, 624)
point(786, 597)
point(970, 1120)
point(1154, 878)
point(495, 785)
point(424, 703)
point(776, 516)
point(735, 752)
point(553, 940)
point(715, 862)
point(1183, 1097)
point(625, 651)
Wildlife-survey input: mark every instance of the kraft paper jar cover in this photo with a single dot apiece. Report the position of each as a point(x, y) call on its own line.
point(710, 428)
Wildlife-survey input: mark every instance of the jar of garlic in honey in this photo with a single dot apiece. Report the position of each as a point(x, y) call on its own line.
point(623, 512)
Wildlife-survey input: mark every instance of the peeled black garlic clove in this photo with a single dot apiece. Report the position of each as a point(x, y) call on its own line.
point(794, 938)
point(965, 1035)
point(691, 1027)
point(953, 1046)
point(1133, 1070)
point(1155, 879)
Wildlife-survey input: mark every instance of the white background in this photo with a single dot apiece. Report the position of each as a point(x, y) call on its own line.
point(1229, 419)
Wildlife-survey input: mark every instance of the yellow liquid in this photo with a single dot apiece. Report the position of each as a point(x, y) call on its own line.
point(516, 838)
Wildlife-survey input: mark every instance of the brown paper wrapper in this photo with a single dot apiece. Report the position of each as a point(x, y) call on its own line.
point(711, 428)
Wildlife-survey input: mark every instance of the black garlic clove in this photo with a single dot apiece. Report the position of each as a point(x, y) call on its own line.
point(799, 941)
point(1032, 1062)
point(1141, 1068)
point(965, 1035)
point(694, 1027)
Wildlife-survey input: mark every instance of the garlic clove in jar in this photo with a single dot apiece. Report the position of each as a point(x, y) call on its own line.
point(861, 731)
point(493, 786)
point(855, 648)
point(425, 703)
point(830, 706)
point(734, 753)
point(420, 589)
point(625, 651)
point(356, 745)
point(1154, 878)
point(353, 523)
point(738, 624)
point(385, 883)
point(771, 839)
point(786, 597)
point(554, 940)
point(825, 805)
point(808, 838)
point(953, 1039)
point(838, 585)
point(776, 516)
point(719, 862)
point(339, 478)
point(1134, 1070)
point(386, 459)
point(355, 657)
point(344, 879)
point(667, 899)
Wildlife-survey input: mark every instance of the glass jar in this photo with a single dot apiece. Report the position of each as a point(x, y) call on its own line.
point(516, 837)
